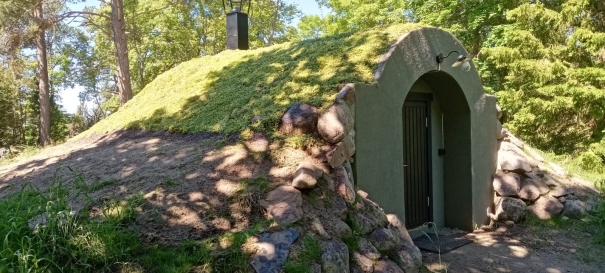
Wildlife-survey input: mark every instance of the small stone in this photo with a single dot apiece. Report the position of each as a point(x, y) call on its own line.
point(546, 207)
point(341, 229)
point(363, 224)
point(386, 266)
point(362, 193)
point(334, 257)
point(346, 93)
point(341, 153)
point(560, 192)
point(507, 184)
point(344, 187)
point(364, 263)
point(514, 140)
point(537, 171)
point(300, 119)
point(407, 258)
point(574, 209)
point(272, 250)
point(499, 131)
point(367, 249)
point(383, 239)
point(509, 223)
point(561, 199)
point(335, 123)
point(306, 175)
point(498, 111)
point(284, 205)
point(564, 218)
point(319, 229)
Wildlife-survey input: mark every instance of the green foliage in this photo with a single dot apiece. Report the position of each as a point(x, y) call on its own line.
point(223, 93)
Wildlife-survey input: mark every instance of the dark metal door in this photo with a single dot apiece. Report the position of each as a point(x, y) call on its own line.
point(416, 149)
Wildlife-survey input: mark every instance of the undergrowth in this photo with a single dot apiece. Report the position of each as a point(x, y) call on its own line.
point(66, 241)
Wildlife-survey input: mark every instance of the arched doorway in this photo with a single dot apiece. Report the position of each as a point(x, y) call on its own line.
point(453, 151)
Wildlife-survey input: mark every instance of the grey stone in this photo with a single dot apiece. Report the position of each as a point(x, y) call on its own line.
point(551, 181)
point(306, 175)
point(508, 208)
point(346, 94)
point(560, 191)
point(532, 190)
point(284, 205)
point(387, 266)
point(317, 226)
point(561, 199)
point(574, 209)
point(344, 187)
point(363, 194)
point(498, 111)
point(534, 154)
point(334, 257)
point(339, 206)
point(514, 140)
point(537, 171)
point(341, 229)
point(363, 224)
point(409, 259)
point(513, 159)
point(399, 229)
point(546, 207)
point(362, 262)
point(507, 184)
point(532, 175)
point(592, 205)
point(367, 249)
point(501, 134)
point(341, 152)
point(375, 212)
point(301, 118)
point(383, 239)
point(272, 250)
point(335, 123)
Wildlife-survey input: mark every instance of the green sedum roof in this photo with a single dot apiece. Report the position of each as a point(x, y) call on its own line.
point(222, 93)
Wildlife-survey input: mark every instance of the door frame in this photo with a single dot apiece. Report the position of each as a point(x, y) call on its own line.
point(428, 99)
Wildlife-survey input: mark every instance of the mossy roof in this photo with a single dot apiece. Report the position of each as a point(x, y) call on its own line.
point(222, 93)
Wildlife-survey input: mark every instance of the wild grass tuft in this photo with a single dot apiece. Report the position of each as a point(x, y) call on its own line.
point(311, 253)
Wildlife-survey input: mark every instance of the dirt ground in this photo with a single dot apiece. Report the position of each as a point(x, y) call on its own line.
point(188, 183)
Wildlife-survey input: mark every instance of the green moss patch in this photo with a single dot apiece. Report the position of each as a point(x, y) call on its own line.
point(222, 93)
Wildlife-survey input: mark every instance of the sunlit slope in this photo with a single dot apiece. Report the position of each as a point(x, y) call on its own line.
point(223, 93)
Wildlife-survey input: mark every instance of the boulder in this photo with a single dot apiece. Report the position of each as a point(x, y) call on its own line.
point(383, 239)
point(574, 209)
point(532, 190)
point(514, 140)
point(335, 123)
point(341, 229)
point(272, 250)
point(387, 266)
point(407, 258)
point(373, 211)
point(343, 185)
point(537, 171)
point(398, 228)
point(362, 224)
point(346, 94)
point(498, 111)
point(367, 249)
point(546, 207)
point(513, 159)
point(306, 175)
point(362, 262)
point(301, 118)
point(551, 181)
point(334, 257)
point(508, 208)
point(341, 152)
point(560, 191)
point(507, 184)
point(284, 205)
point(533, 176)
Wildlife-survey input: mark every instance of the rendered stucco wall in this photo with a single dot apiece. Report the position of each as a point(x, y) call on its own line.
point(469, 129)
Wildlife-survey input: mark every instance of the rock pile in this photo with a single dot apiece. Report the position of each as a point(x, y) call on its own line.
point(520, 185)
point(382, 241)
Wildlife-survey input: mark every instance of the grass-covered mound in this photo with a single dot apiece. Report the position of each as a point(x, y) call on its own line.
point(223, 93)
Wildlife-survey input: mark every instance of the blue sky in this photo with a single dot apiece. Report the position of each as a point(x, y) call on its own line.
point(69, 97)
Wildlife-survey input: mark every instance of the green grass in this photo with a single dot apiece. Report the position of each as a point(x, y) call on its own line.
point(302, 264)
point(110, 243)
point(222, 93)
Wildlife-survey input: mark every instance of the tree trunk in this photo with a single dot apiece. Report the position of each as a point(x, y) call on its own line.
point(44, 93)
point(120, 43)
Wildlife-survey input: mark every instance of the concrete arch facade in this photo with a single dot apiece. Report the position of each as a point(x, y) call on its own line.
point(462, 177)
